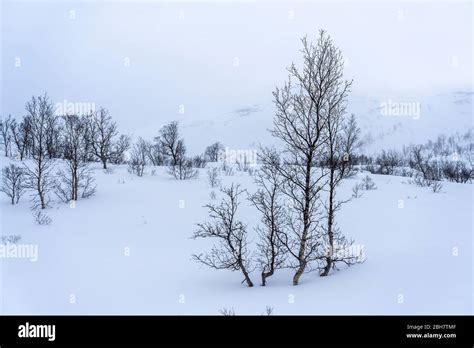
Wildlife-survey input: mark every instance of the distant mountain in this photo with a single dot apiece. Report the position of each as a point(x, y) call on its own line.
point(385, 122)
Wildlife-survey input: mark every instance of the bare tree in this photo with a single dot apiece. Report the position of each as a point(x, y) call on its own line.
point(184, 170)
point(22, 138)
point(181, 166)
point(174, 151)
point(268, 201)
point(138, 157)
point(387, 162)
point(120, 147)
point(457, 171)
point(303, 106)
point(75, 180)
point(350, 145)
point(156, 154)
point(172, 146)
point(428, 170)
point(13, 184)
point(231, 252)
point(213, 177)
point(342, 143)
point(40, 111)
point(199, 161)
point(53, 137)
point(213, 151)
point(6, 136)
point(103, 131)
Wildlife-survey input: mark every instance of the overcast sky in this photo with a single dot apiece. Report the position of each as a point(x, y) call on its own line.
point(214, 58)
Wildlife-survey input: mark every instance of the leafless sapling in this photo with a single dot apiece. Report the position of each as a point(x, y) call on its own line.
point(428, 170)
point(156, 154)
point(38, 172)
point(53, 137)
point(268, 201)
point(138, 157)
point(119, 148)
point(13, 184)
point(103, 130)
point(172, 145)
point(213, 177)
point(231, 250)
point(21, 134)
point(213, 151)
point(342, 143)
point(75, 178)
point(182, 167)
point(6, 136)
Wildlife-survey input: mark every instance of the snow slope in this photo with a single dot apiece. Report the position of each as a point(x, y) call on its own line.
point(83, 267)
point(441, 113)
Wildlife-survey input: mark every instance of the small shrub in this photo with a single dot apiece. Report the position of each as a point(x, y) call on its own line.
point(227, 312)
point(356, 190)
point(436, 186)
point(41, 218)
point(227, 169)
point(11, 239)
point(213, 177)
point(368, 184)
point(199, 161)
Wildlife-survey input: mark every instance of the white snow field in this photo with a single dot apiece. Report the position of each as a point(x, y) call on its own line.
point(127, 250)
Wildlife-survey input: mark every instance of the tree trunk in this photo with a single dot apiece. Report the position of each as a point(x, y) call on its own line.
point(265, 275)
point(299, 272)
point(329, 257)
point(306, 222)
point(40, 192)
point(247, 278)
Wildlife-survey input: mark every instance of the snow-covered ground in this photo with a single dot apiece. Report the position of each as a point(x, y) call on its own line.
point(128, 250)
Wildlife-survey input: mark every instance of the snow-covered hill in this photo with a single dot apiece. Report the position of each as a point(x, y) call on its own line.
point(386, 122)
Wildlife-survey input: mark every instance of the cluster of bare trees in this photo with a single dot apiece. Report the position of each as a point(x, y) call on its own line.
point(168, 149)
point(427, 164)
point(44, 141)
point(213, 152)
point(39, 171)
point(298, 184)
point(13, 183)
point(75, 179)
